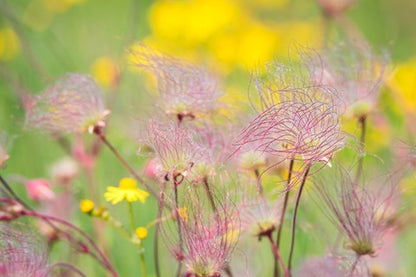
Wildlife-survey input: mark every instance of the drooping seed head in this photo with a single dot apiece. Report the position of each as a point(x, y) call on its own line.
point(363, 214)
point(185, 90)
point(356, 73)
point(308, 131)
point(22, 253)
point(74, 104)
point(207, 236)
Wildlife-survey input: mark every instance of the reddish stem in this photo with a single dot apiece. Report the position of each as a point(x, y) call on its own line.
point(277, 255)
point(104, 259)
point(99, 133)
point(292, 243)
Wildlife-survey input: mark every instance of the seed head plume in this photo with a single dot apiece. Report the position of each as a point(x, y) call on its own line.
point(73, 104)
point(207, 238)
point(185, 90)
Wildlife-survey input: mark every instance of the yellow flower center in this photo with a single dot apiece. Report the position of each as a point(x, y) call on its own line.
point(128, 184)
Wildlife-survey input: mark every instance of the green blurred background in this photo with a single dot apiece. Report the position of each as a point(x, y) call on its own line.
point(41, 40)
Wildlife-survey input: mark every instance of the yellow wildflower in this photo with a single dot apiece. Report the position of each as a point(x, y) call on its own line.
point(86, 206)
point(105, 71)
point(128, 190)
point(141, 233)
point(9, 44)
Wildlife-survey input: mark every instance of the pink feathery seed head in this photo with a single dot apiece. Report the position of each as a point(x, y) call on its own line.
point(201, 236)
point(308, 131)
point(171, 145)
point(185, 90)
point(39, 190)
point(74, 104)
point(259, 216)
point(363, 214)
point(22, 252)
point(333, 8)
point(355, 72)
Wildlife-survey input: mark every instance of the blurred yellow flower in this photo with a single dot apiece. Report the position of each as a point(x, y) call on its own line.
point(86, 205)
point(105, 71)
point(9, 44)
point(256, 46)
point(403, 83)
point(191, 22)
point(128, 190)
point(141, 233)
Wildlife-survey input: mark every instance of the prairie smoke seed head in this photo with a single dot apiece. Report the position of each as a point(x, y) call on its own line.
point(22, 252)
point(74, 104)
point(207, 237)
point(127, 190)
point(308, 131)
point(355, 71)
point(362, 214)
point(185, 90)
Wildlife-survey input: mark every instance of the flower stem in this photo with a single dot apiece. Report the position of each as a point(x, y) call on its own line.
point(276, 253)
point(292, 243)
point(362, 121)
point(131, 216)
point(178, 220)
point(282, 216)
point(132, 226)
point(99, 133)
point(102, 259)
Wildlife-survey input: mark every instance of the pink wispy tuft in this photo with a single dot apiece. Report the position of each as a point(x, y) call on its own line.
point(207, 236)
point(363, 214)
point(22, 253)
point(73, 104)
point(185, 90)
point(292, 129)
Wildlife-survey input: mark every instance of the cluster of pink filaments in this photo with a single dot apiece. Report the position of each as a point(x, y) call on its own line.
point(73, 104)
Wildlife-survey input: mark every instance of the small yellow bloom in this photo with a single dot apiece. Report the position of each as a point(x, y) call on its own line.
point(128, 190)
point(86, 206)
point(141, 233)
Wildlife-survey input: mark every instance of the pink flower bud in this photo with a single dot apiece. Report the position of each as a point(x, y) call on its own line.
point(39, 190)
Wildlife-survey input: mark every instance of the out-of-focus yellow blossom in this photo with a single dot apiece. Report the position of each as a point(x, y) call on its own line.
point(403, 83)
point(128, 190)
point(105, 71)
point(256, 46)
point(9, 44)
point(191, 22)
point(141, 233)
point(268, 3)
point(86, 206)
point(307, 33)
